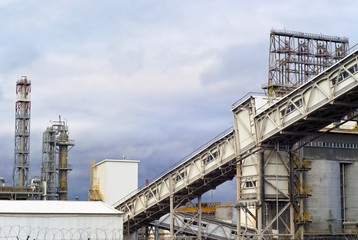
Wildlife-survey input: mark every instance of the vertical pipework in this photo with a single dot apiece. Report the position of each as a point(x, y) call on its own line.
point(62, 172)
point(63, 143)
point(22, 133)
point(55, 167)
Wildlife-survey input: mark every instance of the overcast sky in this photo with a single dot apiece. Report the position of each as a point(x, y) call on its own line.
point(149, 80)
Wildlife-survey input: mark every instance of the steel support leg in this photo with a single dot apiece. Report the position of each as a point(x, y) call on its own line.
point(199, 217)
point(238, 191)
point(171, 217)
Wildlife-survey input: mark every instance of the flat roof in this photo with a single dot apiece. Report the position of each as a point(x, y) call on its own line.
point(56, 207)
point(117, 161)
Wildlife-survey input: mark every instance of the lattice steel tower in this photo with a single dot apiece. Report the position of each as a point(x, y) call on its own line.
point(20, 176)
point(56, 144)
point(296, 57)
point(48, 166)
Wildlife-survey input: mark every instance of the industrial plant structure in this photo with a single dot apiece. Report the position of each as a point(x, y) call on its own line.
point(20, 176)
point(293, 151)
point(296, 57)
point(54, 168)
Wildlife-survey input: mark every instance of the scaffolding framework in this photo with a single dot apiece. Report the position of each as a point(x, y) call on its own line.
point(21, 174)
point(55, 167)
point(296, 57)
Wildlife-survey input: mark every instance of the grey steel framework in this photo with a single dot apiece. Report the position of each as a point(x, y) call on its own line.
point(296, 57)
point(210, 228)
point(326, 98)
point(201, 171)
point(56, 144)
point(48, 167)
point(263, 148)
point(20, 175)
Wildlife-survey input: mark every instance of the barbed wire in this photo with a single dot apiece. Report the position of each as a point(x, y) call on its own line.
point(18, 232)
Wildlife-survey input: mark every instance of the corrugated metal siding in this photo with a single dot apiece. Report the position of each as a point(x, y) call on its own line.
point(331, 146)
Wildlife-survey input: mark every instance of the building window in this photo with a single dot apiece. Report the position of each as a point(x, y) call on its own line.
point(292, 107)
point(344, 74)
point(180, 176)
point(251, 184)
point(210, 157)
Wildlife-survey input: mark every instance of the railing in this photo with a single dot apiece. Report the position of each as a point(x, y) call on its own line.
point(304, 165)
point(64, 166)
point(310, 35)
point(303, 219)
point(241, 100)
point(348, 230)
point(353, 48)
point(303, 190)
point(318, 230)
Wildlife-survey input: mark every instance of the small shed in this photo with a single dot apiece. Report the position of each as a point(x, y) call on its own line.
point(59, 220)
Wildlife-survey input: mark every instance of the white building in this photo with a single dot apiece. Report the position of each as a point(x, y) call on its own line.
point(45, 220)
point(115, 179)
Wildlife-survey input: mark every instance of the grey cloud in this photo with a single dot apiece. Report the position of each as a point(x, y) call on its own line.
point(238, 63)
point(135, 79)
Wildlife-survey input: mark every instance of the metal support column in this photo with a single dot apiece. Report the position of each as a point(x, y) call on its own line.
point(171, 203)
point(199, 217)
point(260, 193)
point(292, 195)
point(238, 191)
point(156, 231)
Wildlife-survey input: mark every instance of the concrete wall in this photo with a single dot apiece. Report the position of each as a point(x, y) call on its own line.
point(351, 191)
point(59, 220)
point(48, 226)
point(325, 203)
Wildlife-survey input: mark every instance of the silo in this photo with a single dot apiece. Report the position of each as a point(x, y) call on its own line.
point(325, 203)
point(351, 189)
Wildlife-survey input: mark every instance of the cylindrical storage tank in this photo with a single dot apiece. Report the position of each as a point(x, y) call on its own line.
point(350, 172)
point(325, 203)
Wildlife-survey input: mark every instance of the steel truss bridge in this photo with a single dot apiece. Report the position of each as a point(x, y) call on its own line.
point(264, 138)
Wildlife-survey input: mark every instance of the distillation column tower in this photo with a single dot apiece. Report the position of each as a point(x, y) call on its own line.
point(56, 142)
point(63, 143)
point(20, 175)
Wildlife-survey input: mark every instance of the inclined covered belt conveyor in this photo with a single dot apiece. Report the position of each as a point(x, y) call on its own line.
point(326, 98)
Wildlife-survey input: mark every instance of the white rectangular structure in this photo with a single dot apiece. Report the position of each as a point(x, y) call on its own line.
point(116, 179)
point(59, 220)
